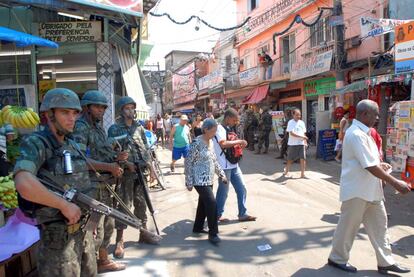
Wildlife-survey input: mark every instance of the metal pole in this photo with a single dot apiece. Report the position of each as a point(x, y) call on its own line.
point(340, 55)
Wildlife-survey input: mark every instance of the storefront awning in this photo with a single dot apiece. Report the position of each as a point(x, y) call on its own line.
point(22, 39)
point(184, 108)
point(257, 95)
point(133, 80)
point(355, 86)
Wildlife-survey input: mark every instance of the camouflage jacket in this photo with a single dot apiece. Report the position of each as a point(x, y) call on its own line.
point(135, 141)
point(265, 122)
point(92, 139)
point(41, 151)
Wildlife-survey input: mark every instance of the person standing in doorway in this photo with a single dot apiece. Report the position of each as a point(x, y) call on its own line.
point(362, 194)
point(180, 140)
point(297, 143)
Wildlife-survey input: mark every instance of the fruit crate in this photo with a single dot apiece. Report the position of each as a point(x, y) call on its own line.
point(23, 264)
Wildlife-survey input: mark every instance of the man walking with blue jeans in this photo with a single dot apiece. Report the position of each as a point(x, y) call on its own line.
point(232, 171)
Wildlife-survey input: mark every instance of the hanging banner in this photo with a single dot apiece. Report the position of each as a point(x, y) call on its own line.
point(373, 27)
point(404, 48)
point(211, 80)
point(311, 66)
point(249, 76)
point(71, 31)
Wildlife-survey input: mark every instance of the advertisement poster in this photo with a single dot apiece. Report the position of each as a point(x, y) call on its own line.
point(44, 86)
point(278, 120)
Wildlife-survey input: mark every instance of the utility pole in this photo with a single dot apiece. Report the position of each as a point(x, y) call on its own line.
point(340, 54)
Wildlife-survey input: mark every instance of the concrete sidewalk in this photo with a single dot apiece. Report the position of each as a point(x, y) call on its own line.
point(296, 218)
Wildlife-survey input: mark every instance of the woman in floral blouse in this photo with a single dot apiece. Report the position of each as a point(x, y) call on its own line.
point(200, 166)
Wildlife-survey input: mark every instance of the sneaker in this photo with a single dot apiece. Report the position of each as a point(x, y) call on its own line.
point(215, 240)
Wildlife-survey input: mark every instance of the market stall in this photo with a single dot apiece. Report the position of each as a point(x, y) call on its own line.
point(18, 234)
point(400, 140)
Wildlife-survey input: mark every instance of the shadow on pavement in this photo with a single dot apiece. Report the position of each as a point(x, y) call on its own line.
point(327, 270)
point(236, 247)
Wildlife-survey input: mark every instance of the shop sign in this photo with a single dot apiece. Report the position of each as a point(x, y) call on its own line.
point(75, 31)
point(279, 11)
point(184, 85)
point(319, 86)
point(133, 7)
point(211, 80)
point(404, 48)
point(249, 76)
point(373, 27)
point(311, 66)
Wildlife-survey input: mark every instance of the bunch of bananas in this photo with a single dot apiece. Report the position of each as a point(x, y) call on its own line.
point(20, 117)
point(8, 195)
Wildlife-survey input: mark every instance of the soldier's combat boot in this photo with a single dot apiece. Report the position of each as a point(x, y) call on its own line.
point(258, 152)
point(107, 265)
point(266, 150)
point(147, 237)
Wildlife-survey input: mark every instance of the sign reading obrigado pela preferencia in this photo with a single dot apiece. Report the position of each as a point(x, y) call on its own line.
point(76, 31)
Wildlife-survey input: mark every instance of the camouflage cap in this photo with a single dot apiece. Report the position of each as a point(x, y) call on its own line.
point(60, 98)
point(94, 97)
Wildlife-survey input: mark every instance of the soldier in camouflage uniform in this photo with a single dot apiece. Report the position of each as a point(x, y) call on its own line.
point(65, 249)
point(92, 139)
point(265, 126)
point(250, 128)
point(131, 136)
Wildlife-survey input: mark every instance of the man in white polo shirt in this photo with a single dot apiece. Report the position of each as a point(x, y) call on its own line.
point(362, 195)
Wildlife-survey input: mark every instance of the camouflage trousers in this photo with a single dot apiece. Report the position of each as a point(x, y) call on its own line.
point(65, 255)
point(264, 138)
point(249, 135)
point(133, 195)
point(106, 224)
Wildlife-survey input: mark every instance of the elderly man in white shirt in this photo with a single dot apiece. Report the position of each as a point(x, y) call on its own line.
point(362, 195)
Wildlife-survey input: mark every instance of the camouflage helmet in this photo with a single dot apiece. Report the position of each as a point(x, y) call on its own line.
point(94, 97)
point(125, 100)
point(60, 98)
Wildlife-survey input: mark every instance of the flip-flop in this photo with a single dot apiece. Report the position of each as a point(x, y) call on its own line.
point(247, 218)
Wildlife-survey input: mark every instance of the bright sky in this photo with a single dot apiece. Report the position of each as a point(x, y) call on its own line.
point(167, 36)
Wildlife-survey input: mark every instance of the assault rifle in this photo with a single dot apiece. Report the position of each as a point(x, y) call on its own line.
point(141, 179)
point(95, 208)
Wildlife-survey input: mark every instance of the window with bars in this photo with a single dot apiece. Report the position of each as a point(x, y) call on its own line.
point(321, 33)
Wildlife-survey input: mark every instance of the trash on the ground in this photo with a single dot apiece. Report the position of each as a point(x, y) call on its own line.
point(264, 247)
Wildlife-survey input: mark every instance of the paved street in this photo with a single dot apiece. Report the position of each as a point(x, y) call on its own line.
point(296, 218)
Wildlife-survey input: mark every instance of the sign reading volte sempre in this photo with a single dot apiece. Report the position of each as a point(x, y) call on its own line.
point(76, 31)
